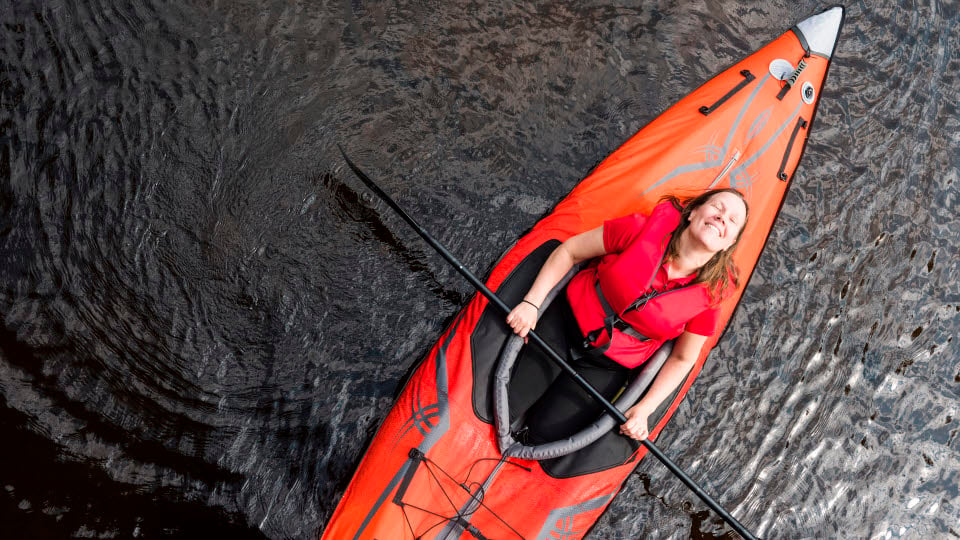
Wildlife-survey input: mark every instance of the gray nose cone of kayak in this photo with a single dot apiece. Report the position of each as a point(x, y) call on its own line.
point(820, 31)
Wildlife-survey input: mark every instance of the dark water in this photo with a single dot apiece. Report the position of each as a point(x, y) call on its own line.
point(205, 317)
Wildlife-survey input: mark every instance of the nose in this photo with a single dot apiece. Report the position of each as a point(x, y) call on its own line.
point(722, 221)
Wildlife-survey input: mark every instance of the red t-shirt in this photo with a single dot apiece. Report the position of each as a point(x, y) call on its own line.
point(625, 274)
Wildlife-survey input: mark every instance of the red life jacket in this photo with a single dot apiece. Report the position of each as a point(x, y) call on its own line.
point(626, 280)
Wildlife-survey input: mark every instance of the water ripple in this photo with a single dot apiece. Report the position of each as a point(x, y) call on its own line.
point(205, 318)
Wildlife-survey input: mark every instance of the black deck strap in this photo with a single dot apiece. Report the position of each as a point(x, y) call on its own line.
point(801, 124)
point(792, 80)
point(474, 532)
point(783, 91)
point(747, 79)
point(416, 458)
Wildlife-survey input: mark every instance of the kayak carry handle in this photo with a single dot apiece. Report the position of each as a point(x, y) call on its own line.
point(747, 79)
point(781, 174)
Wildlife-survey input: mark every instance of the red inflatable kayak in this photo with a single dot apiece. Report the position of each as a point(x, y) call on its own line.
point(444, 463)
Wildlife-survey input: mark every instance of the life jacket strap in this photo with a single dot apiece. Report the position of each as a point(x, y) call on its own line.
point(611, 321)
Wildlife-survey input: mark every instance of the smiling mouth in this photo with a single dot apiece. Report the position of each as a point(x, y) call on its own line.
point(719, 232)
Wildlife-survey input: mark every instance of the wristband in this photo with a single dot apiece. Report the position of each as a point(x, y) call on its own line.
point(531, 303)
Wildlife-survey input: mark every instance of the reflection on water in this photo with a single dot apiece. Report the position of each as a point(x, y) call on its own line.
point(205, 317)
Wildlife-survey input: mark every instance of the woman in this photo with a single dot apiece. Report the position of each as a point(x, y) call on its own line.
point(658, 277)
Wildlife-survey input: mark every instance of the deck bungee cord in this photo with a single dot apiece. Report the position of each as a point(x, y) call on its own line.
point(550, 352)
point(461, 518)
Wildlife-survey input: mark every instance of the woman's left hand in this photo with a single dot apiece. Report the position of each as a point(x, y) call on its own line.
point(636, 426)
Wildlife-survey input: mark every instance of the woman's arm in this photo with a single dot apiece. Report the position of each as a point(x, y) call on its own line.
point(581, 247)
point(685, 352)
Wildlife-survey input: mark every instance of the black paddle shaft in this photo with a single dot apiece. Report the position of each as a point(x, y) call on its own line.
point(550, 352)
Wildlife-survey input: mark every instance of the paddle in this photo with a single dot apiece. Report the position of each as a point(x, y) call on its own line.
point(552, 354)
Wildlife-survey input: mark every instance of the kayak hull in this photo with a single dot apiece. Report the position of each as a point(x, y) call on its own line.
point(434, 469)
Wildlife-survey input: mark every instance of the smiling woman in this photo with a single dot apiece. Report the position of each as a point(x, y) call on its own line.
point(727, 213)
point(618, 312)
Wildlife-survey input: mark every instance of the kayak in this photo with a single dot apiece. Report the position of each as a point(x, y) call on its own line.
point(447, 462)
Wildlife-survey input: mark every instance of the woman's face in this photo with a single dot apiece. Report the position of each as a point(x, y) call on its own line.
point(717, 222)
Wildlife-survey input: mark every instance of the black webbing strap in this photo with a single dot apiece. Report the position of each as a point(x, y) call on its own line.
point(416, 457)
point(747, 79)
point(783, 91)
point(611, 321)
point(792, 79)
point(781, 174)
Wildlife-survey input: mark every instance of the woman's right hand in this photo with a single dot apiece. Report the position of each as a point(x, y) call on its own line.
point(522, 319)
